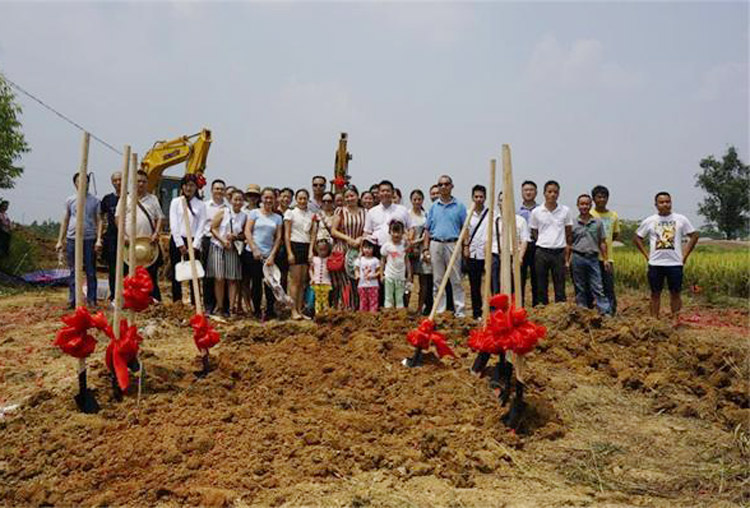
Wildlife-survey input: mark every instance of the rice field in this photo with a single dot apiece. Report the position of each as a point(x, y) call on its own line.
point(709, 271)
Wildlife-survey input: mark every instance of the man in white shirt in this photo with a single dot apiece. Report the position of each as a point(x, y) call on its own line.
point(213, 206)
point(552, 229)
point(665, 231)
point(149, 219)
point(177, 243)
point(379, 217)
point(474, 248)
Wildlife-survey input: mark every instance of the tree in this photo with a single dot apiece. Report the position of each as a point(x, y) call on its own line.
point(12, 142)
point(727, 183)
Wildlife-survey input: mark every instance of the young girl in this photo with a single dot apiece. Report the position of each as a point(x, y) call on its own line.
point(320, 279)
point(393, 264)
point(367, 270)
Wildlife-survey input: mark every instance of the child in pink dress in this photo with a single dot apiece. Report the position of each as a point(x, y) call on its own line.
point(367, 271)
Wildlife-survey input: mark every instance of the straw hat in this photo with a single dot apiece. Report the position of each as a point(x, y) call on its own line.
point(146, 253)
point(253, 188)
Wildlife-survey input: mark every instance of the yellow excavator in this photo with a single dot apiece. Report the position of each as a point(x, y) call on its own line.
point(192, 150)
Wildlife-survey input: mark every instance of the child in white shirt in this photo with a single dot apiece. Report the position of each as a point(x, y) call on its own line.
point(394, 266)
point(367, 271)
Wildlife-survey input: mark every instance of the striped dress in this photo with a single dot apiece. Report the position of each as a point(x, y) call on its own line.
point(225, 263)
point(352, 224)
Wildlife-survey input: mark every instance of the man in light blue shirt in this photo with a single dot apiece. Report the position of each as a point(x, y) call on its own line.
point(92, 242)
point(444, 222)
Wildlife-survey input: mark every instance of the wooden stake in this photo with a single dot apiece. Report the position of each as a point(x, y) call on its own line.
point(487, 283)
point(119, 269)
point(191, 256)
point(452, 261)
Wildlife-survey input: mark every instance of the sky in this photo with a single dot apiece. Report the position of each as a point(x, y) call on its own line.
point(628, 95)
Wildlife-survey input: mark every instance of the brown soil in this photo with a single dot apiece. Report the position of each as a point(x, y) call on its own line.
point(621, 411)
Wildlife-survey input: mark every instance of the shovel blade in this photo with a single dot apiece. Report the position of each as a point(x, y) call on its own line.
point(86, 402)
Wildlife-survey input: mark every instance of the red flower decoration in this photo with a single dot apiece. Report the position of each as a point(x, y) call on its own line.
point(339, 182)
point(204, 335)
point(507, 329)
point(200, 181)
point(137, 290)
point(426, 334)
point(74, 339)
point(122, 351)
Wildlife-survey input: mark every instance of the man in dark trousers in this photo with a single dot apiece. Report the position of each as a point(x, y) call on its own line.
point(528, 193)
point(551, 227)
point(108, 209)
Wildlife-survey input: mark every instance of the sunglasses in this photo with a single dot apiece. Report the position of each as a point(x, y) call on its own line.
point(444, 184)
point(318, 185)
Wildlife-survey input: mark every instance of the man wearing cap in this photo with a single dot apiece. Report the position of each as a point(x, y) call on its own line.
point(315, 205)
point(149, 219)
point(252, 196)
point(442, 229)
point(213, 206)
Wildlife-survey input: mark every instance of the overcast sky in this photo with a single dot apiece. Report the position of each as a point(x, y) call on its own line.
point(629, 95)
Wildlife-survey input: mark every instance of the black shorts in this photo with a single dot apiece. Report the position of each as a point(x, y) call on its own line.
point(657, 274)
point(300, 251)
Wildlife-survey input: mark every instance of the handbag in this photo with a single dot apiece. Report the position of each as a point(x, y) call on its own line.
point(182, 271)
point(335, 262)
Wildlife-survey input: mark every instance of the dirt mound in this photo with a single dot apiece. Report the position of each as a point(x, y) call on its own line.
point(327, 401)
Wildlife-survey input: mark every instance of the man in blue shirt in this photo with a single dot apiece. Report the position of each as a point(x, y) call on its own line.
point(444, 222)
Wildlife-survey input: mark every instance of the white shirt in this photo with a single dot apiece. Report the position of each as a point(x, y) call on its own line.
point(197, 221)
point(522, 231)
point(319, 269)
point(301, 224)
point(367, 267)
point(665, 234)
point(395, 260)
point(478, 235)
point(211, 210)
point(142, 225)
point(230, 221)
point(550, 226)
point(379, 218)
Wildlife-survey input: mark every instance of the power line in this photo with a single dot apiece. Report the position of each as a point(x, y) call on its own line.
point(72, 122)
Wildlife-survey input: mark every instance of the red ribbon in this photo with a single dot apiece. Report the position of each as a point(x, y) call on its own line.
point(507, 329)
point(74, 339)
point(137, 290)
point(426, 334)
point(200, 181)
point(339, 182)
point(122, 351)
point(204, 335)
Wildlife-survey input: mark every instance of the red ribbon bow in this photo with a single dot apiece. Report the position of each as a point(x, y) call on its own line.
point(137, 290)
point(200, 181)
point(426, 334)
point(204, 335)
point(339, 182)
point(73, 339)
point(122, 351)
point(507, 329)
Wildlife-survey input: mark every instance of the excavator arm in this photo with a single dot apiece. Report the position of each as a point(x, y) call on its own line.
point(165, 154)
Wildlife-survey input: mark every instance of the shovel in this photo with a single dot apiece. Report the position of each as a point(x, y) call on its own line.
point(85, 399)
point(415, 360)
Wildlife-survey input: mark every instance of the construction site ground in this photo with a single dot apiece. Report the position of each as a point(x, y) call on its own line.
point(622, 412)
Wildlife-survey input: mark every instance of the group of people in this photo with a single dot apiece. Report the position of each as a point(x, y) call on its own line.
point(363, 251)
